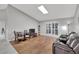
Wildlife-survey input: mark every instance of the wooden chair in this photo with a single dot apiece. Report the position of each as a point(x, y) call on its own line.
point(26, 35)
point(19, 36)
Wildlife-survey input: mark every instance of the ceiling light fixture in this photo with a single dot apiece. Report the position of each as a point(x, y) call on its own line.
point(43, 9)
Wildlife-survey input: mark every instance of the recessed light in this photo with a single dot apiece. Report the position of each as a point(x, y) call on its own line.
point(43, 9)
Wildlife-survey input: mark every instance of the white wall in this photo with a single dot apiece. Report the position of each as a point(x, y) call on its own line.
point(2, 25)
point(76, 20)
point(60, 23)
point(2, 19)
point(19, 22)
point(2, 22)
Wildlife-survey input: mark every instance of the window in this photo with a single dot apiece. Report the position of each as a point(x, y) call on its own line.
point(52, 28)
point(56, 28)
point(49, 28)
point(46, 29)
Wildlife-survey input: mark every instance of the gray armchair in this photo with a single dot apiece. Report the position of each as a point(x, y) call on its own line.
point(70, 47)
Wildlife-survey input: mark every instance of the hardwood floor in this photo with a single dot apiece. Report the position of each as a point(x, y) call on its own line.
point(36, 45)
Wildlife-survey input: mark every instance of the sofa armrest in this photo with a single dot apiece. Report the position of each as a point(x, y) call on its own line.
point(62, 47)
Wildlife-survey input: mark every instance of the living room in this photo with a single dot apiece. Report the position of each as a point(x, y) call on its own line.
point(28, 30)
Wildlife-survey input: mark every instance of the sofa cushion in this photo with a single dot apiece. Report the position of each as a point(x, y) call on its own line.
point(76, 48)
point(74, 43)
point(70, 41)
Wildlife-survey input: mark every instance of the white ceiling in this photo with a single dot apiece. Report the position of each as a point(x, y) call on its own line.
point(3, 6)
point(55, 11)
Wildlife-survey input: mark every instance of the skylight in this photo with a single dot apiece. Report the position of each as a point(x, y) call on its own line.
point(43, 9)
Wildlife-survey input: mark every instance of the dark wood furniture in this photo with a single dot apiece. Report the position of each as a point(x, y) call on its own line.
point(19, 36)
point(32, 33)
point(26, 35)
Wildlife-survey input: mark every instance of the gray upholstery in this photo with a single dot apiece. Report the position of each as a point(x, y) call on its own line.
point(61, 49)
point(76, 49)
point(71, 47)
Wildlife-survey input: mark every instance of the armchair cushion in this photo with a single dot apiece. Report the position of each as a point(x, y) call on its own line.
point(27, 36)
